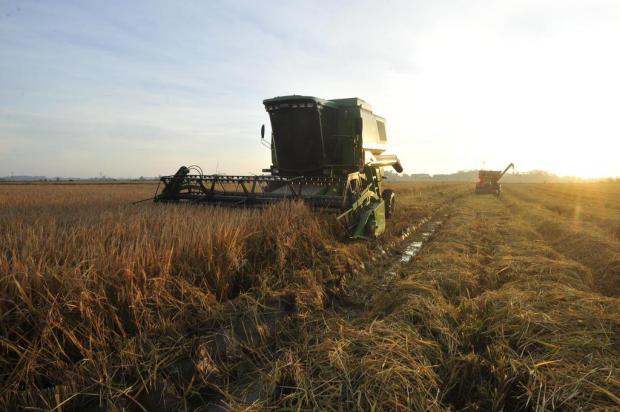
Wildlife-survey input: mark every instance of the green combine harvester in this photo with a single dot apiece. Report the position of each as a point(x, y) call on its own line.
point(328, 153)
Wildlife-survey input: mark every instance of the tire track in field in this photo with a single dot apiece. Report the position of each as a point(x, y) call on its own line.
point(435, 284)
point(358, 361)
point(386, 267)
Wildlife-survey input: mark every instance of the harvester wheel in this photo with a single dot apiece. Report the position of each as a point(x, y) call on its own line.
point(389, 200)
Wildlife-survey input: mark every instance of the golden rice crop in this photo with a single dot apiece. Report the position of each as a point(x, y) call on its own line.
point(106, 305)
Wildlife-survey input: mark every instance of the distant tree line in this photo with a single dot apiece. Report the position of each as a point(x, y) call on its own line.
point(72, 179)
point(533, 176)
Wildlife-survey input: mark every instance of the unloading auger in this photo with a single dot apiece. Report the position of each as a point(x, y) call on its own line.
point(328, 153)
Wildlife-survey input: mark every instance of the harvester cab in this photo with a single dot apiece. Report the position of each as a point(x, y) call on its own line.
point(328, 153)
point(488, 181)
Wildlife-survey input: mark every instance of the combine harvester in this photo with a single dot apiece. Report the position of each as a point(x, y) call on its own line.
point(328, 153)
point(488, 181)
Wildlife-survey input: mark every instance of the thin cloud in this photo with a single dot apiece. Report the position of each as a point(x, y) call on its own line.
point(460, 83)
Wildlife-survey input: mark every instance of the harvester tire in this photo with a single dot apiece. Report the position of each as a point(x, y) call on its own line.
point(389, 200)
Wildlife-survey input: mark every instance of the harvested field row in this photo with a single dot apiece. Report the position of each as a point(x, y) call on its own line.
point(514, 324)
point(601, 195)
point(576, 209)
point(578, 240)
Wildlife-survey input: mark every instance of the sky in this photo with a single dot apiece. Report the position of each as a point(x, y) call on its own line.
point(127, 89)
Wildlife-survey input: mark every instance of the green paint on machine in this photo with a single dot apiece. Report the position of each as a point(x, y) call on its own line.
point(328, 153)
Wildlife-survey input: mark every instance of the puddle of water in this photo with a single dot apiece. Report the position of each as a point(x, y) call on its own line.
point(411, 229)
point(410, 251)
point(420, 238)
point(419, 233)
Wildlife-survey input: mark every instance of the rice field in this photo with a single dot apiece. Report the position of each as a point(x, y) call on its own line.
point(511, 303)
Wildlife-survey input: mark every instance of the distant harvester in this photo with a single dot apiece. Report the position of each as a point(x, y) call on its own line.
point(488, 181)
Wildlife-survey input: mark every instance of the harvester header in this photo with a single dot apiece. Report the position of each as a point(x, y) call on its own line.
point(328, 153)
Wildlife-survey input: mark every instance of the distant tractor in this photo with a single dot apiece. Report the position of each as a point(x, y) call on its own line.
point(488, 181)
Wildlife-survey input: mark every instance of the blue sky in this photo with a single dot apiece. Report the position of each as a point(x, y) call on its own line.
point(139, 88)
